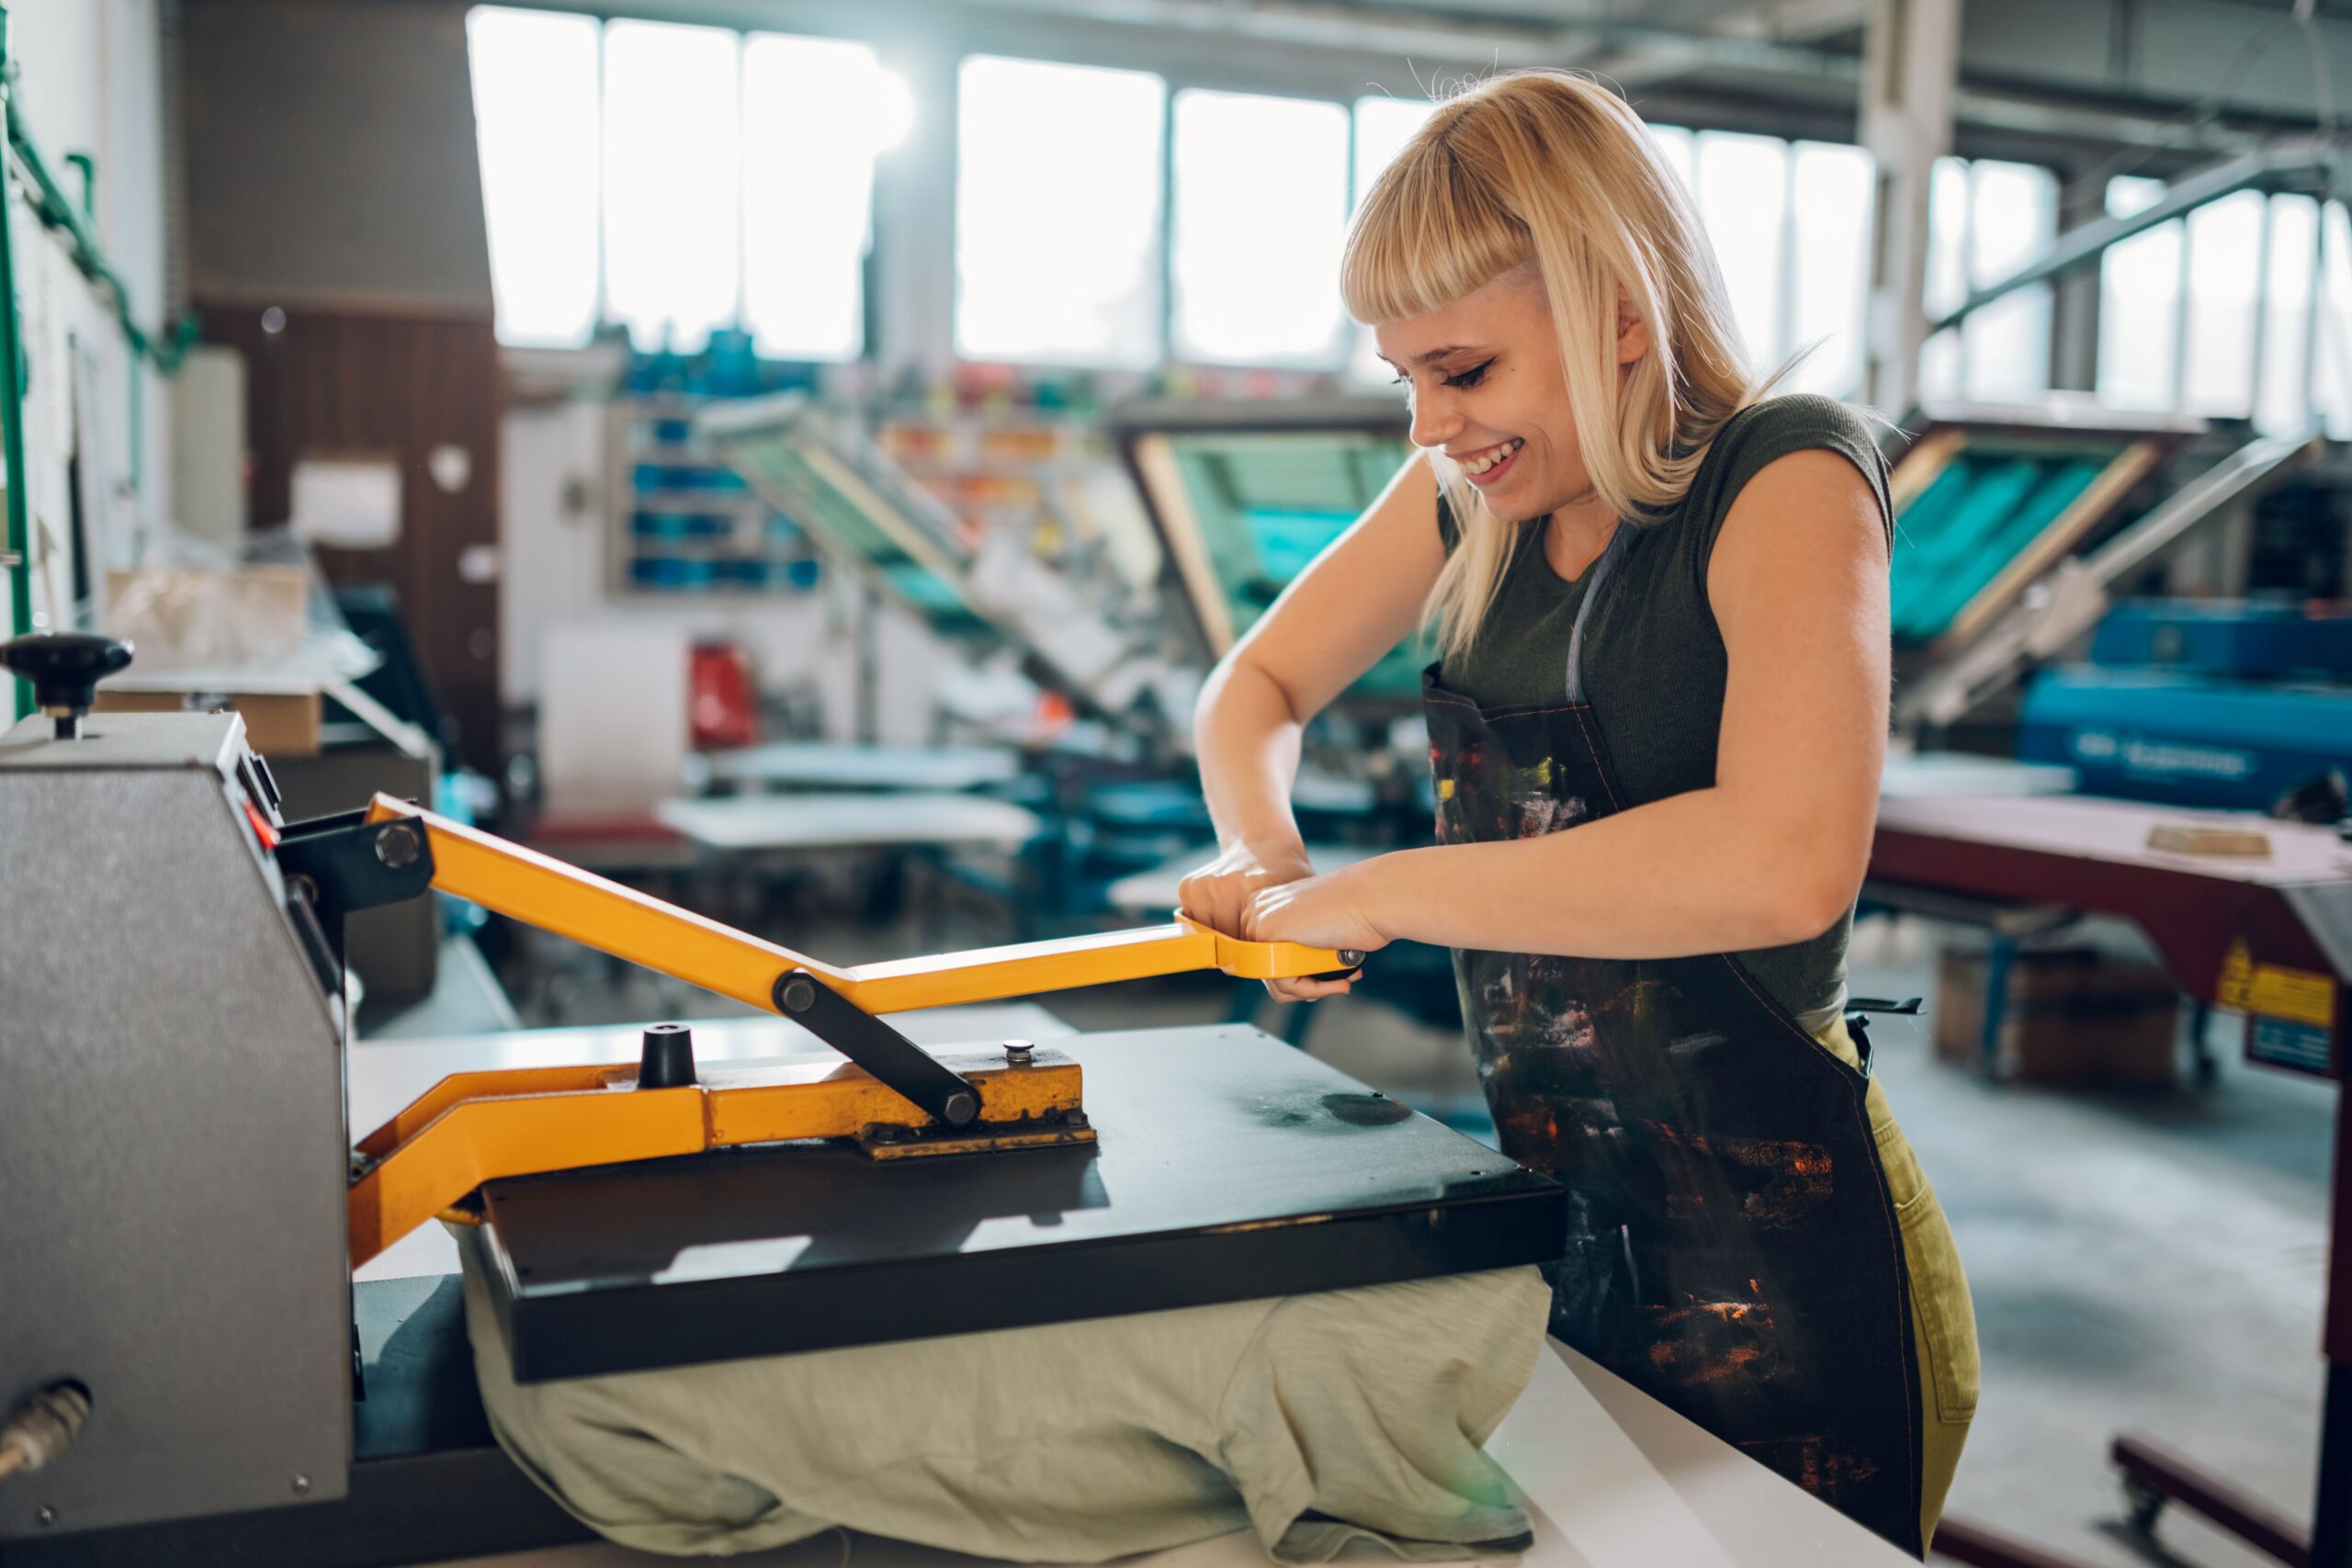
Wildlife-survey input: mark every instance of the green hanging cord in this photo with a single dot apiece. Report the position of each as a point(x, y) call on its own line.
point(18, 548)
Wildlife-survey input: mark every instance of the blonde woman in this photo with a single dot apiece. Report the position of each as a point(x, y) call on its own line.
point(1657, 728)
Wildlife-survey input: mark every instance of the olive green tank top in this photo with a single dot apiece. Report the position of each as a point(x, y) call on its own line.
point(1653, 657)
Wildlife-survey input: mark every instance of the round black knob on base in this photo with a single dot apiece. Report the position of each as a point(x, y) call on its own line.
point(65, 669)
point(667, 1058)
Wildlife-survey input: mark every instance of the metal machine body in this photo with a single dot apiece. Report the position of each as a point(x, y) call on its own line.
point(187, 1201)
point(170, 1130)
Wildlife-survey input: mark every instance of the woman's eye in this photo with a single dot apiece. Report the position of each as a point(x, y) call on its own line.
point(1471, 376)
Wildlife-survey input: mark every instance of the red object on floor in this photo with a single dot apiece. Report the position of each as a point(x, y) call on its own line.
point(724, 707)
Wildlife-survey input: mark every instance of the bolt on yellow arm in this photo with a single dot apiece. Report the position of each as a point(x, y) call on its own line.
point(525, 886)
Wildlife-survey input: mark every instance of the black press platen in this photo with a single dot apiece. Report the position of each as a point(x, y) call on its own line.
point(667, 1058)
point(65, 669)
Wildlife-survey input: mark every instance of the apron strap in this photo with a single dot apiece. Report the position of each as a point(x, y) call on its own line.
point(1619, 542)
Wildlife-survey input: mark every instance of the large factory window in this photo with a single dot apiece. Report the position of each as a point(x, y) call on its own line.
point(2138, 305)
point(653, 175)
point(1057, 235)
point(1830, 193)
point(1987, 219)
point(534, 112)
point(808, 221)
point(2012, 220)
point(1789, 223)
point(2223, 313)
point(2224, 263)
point(1260, 206)
point(673, 181)
point(2291, 331)
point(1742, 190)
point(1384, 124)
point(2333, 381)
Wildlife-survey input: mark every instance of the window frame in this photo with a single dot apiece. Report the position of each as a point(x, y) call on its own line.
point(605, 322)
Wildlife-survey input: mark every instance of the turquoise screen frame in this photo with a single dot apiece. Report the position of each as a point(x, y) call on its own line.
point(1266, 502)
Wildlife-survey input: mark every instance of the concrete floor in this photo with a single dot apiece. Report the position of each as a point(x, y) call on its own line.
point(2149, 1262)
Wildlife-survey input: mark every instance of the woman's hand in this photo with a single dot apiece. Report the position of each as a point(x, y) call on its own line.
point(1218, 895)
point(1315, 911)
point(1221, 895)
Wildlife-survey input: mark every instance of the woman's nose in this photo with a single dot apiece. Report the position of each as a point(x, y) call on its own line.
point(1434, 420)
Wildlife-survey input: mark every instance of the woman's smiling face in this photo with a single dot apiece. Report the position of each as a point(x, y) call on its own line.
point(1487, 391)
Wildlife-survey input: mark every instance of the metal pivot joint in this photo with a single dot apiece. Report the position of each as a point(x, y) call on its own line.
point(353, 863)
point(881, 1050)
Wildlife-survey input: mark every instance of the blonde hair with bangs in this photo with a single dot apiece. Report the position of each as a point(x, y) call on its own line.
point(1549, 167)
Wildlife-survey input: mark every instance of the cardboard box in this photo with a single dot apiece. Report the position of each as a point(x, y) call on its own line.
point(279, 724)
point(189, 616)
point(2074, 1015)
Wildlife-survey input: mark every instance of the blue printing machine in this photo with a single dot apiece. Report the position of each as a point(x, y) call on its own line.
point(2249, 641)
point(2204, 705)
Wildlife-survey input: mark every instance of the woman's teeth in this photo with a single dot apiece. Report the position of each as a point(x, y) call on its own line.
point(1480, 465)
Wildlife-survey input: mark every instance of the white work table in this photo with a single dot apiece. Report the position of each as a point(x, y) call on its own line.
point(825, 821)
point(841, 765)
point(1610, 1478)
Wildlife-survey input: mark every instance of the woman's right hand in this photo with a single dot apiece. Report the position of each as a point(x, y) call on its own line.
point(1218, 896)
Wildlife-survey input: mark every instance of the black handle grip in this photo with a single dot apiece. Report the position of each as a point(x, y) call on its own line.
point(64, 669)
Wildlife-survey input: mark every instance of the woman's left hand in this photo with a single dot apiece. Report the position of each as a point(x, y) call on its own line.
point(1317, 911)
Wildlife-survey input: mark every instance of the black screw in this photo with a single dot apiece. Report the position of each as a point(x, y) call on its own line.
point(397, 845)
point(800, 994)
point(961, 1107)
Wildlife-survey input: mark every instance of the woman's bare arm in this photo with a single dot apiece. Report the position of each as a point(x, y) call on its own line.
point(1772, 853)
point(1355, 601)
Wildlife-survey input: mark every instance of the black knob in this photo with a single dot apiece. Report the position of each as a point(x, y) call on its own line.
point(667, 1058)
point(65, 669)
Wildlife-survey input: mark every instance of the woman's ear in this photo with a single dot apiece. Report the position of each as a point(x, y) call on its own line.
point(1633, 332)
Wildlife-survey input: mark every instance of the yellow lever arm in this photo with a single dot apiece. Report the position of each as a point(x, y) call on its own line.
point(525, 886)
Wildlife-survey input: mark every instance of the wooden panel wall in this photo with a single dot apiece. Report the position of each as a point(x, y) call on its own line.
point(337, 383)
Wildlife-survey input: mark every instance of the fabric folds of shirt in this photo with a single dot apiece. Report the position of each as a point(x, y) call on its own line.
point(1313, 1420)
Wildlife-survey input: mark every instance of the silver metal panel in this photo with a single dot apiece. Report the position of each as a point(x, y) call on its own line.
point(172, 1138)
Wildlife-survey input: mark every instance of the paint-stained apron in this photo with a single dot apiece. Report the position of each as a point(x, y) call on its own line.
point(1733, 1248)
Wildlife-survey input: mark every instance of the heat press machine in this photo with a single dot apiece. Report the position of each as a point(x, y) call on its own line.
point(183, 1198)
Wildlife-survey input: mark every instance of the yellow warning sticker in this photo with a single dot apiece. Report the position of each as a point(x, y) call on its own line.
point(2274, 990)
point(2235, 990)
point(2299, 996)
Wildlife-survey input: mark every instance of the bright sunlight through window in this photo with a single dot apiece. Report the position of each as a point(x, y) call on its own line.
point(807, 189)
point(534, 113)
point(672, 248)
point(707, 211)
point(1261, 208)
point(1057, 229)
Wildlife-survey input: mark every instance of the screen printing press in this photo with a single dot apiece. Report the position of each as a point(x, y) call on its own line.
point(192, 1179)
